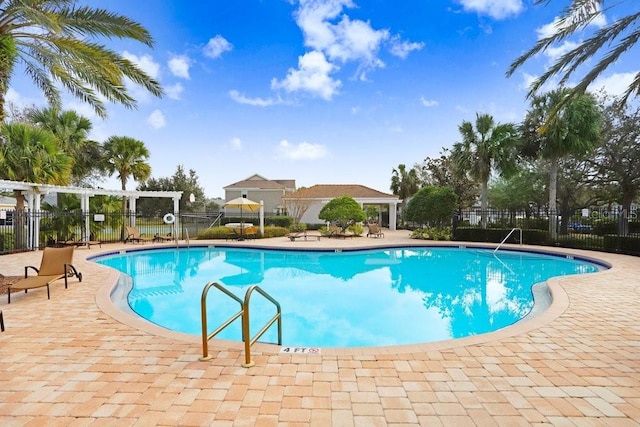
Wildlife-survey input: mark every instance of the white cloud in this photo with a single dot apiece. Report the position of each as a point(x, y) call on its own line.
point(145, 62)
point(334, 38)
point(428, 102)
point(347, 40)
point(312, 76)
point(156, 119)
point(615, 84)
point(555, 52)
point(497, 9)
point(302, 151)
point(235, 144)
point(174, 91)
point(256, 102)
point(22, 101)
point(216, 47)
point(528, 79)
point(179, 66)
point(551, 28)
point(149, 66)
point(402, 49)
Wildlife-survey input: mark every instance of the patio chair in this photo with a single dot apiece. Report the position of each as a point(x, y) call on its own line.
point(133, 235)
point(72, 241)
point(335, 231)
point(303, 235)
point(250, 232)
point(374, 231)
point(55, 265)
point(158, 238)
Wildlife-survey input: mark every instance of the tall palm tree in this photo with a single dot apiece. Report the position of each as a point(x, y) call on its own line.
point(31, 154)
point(53, 41)
point(128, 158)
point(617, 38)
point(556, 127)
point(72, 131)
point(487, 147)
point(404, 183)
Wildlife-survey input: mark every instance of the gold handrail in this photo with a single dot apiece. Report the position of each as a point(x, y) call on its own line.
point(203, 306)
point(246, 335)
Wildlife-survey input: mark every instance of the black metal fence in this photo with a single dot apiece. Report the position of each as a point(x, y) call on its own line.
point(18, 229)
point(600, 229)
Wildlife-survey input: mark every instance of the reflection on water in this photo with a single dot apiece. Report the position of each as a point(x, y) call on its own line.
point(348, 299)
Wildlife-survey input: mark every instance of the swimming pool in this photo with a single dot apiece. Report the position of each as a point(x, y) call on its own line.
point(356, 298)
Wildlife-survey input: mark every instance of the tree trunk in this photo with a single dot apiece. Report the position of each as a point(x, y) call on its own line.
point(19, 232)
point(484, 204)
point(553, 189)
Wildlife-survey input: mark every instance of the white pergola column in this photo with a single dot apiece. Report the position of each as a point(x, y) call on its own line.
point(84, 207)
point(132, 208)
point(33, 208)
point(262, 217)
point(176, 214)
point(393, 215)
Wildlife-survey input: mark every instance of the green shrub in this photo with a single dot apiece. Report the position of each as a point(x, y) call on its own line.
point(496, 235)
point(601, 228)
point(315, 226)
point(279, 221)
point(275, 231)
point(432, 233)
point(214, 233)
point(356, 229)
point(628, 244)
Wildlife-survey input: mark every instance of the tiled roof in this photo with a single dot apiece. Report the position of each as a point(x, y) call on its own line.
point(259, 182)
point(329, 191)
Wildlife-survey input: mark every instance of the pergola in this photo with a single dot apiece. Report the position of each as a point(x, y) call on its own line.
point(33, 192)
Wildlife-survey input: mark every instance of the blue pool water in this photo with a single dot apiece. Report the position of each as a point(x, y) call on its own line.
point(342, 299)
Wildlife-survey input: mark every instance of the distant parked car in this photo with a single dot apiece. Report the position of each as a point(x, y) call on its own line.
point(579, 227)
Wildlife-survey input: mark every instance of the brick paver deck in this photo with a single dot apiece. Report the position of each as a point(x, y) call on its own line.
point(75, 360)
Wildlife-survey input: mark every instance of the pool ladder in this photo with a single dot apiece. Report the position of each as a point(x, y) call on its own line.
point(244, 314)
point(505, 239)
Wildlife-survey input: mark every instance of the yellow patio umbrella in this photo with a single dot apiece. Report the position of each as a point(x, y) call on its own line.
point(243, 204)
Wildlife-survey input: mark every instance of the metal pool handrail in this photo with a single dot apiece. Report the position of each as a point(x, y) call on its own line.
point(505, 239)
point(244, 313)
point(246, 336)
point(203, 307)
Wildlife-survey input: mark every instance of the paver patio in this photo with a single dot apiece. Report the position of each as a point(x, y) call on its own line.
point(75, 360)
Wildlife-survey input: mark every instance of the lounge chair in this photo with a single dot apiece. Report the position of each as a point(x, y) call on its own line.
point(159, 238)
point(250, 232)
point(335, 231)
point(374, 231)
point(303, 235)
point(71, 241)
point(55, 265)
point(133, 235)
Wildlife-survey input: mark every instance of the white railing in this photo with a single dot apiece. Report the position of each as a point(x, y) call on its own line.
point(505, 239)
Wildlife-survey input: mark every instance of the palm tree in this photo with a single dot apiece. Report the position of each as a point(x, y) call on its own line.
point(487, 147)
point(128, 157)
point(52, 40)
point(72, 131)
point(617, 38)
point(33, 155)
point(558, 126)
point(404, 184)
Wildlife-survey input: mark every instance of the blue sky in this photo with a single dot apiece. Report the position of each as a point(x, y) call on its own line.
point(322, 91)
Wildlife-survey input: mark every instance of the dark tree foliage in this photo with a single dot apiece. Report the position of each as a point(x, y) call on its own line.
point(441, 171)
point(180, 181)
point(432, 205)
point(343, 211)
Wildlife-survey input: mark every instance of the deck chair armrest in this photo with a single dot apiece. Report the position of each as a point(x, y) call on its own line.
point(71, 272)
point(26, 270)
